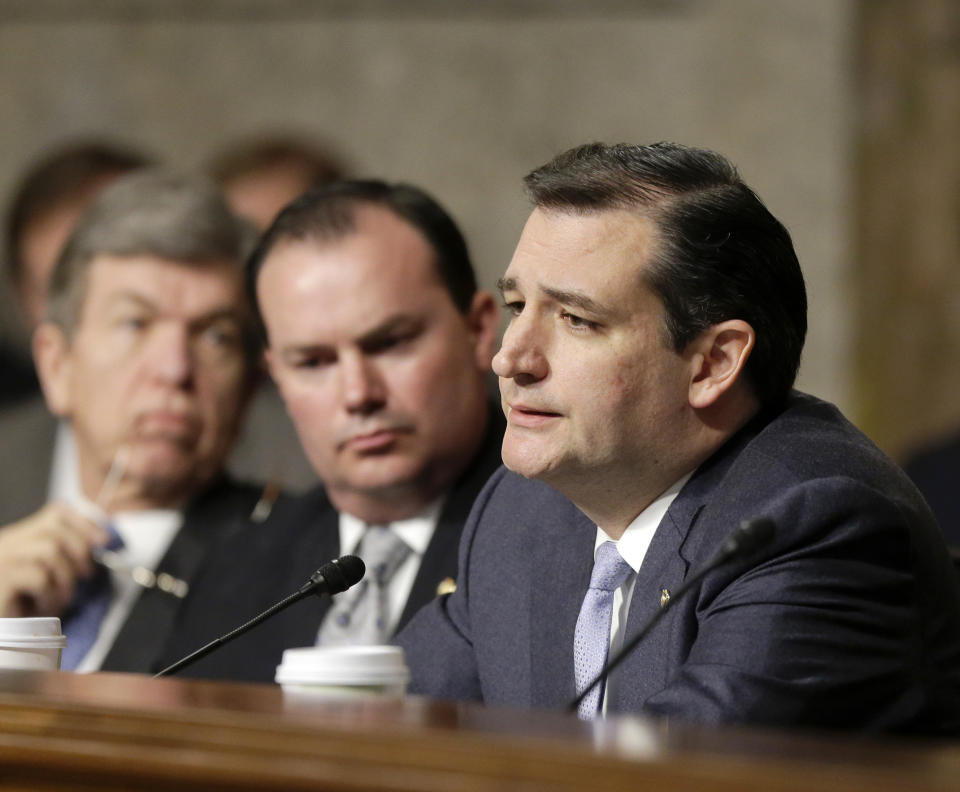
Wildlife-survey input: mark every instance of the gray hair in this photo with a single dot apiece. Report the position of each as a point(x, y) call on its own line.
point(147, 213)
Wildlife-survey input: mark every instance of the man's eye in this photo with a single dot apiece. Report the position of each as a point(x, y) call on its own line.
point(221, 336)
point(577, 322)
point(514, 307)
point(388, 342)
point(132, 323)
point(311, 362)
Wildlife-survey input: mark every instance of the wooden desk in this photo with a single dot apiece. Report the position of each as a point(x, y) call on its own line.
point(61, 731)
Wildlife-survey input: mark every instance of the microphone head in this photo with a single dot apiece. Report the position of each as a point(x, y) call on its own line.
point(752, 534)
point(339, 575)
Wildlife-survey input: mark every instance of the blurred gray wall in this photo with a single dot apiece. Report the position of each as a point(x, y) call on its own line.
point(464, 98)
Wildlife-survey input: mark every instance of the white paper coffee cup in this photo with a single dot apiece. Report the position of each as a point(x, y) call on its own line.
point(345, 670)
point(31, 643)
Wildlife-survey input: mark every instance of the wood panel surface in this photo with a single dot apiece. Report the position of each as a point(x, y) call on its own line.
point(61, 731)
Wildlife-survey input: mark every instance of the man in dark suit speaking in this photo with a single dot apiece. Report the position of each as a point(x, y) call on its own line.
point(657, 316)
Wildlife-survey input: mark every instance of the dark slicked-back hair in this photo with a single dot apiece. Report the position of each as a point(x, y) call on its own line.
point(720, 254)
point(67, 174)
point(329, 213)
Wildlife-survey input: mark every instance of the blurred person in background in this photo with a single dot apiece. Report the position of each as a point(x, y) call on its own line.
point(147, 354)
point(935, 469)
point(261, 175)
point(41, 213)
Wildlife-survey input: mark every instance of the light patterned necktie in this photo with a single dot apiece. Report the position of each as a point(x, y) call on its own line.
point(591, 641)
point(360, 614)
point(82, 619)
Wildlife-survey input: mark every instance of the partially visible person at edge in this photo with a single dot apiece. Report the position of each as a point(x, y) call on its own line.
point(42, 211)
point(147, 351)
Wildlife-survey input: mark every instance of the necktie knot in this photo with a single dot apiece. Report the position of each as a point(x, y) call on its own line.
point(610, 571)
point(362, 614)
point(383, 552)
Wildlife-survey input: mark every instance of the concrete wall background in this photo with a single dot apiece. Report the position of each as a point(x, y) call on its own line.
point(464, 98)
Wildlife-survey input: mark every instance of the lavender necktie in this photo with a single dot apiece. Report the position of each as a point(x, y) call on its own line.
point(82, 619)
point(591, 641)
point(359, 615)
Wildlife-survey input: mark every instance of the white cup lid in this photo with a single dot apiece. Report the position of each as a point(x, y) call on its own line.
point(343, 665)
point(32, 631)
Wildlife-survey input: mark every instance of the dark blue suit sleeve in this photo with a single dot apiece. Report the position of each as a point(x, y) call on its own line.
point(827, 627)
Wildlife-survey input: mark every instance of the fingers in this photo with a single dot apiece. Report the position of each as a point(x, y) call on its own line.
point(42, 557)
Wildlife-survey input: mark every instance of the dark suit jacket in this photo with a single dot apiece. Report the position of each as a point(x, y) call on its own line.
point(936, 472)
point(210, 517)
point(848, 618)
point(264, 563)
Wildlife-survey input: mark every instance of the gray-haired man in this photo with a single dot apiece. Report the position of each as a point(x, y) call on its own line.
point(146, 354)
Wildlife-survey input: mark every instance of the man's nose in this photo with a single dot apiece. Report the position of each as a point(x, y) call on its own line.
point(522, 354)
point(362, 384)
point(171, 356)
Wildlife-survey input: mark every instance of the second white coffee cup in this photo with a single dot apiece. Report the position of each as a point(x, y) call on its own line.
point(345, 670)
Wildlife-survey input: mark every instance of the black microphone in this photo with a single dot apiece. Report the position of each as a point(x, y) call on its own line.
point(746, 538)
point(332, 578)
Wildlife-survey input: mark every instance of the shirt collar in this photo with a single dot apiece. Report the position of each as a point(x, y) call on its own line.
point(638, 535)
point(415, 531)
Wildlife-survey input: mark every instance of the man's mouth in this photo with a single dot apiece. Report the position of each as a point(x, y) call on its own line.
point(529, 417)
point(379, 440)
point(166, 423)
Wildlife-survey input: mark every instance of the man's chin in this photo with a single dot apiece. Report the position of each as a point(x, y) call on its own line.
point(170, 476)
point(391, 476)
point(525, 460)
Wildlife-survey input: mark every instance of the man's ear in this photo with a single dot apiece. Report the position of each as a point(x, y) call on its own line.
point(718, 356)
point(52, 357)
point(483, 319)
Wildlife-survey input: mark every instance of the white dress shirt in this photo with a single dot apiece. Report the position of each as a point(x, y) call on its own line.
point(633, 546)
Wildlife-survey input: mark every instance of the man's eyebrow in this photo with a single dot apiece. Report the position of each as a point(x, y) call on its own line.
point(577, 299)
point(132, 296)
point(401, 323)
point(506, 284)
point(214, 315)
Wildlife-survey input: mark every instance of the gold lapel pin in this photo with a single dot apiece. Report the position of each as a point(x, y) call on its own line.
point(664, 597)
point(446, 586)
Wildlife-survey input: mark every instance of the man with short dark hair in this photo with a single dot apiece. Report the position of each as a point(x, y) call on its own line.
point(147, 354)
point(379, 342)
point(657, 315)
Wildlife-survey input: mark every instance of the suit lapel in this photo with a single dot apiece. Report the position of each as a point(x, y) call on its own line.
point(561, 556)
point(439, 562)
point(148, 626)
point(663, 569)
point(440, 559)
point(675, 545)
